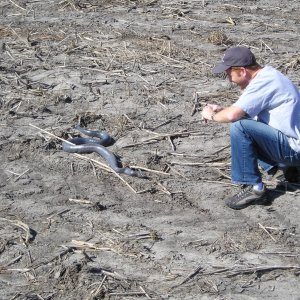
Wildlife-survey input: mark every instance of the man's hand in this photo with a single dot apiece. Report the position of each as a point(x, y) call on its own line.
point(226, 115)
point(215, 107)
point(209, 110)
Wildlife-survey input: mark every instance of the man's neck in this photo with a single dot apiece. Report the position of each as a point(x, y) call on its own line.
point(253, 73)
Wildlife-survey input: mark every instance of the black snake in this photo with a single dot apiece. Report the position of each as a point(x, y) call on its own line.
point(89, 145)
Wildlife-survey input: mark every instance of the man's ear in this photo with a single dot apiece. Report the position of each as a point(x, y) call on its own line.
point(244, 71)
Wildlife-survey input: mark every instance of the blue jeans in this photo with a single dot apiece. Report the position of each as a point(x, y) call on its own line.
point(255, 143)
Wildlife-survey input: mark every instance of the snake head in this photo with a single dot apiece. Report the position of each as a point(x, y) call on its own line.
point(134, 173)
point(141, 174)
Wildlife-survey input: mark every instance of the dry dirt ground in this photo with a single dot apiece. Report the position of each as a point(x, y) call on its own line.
point(139, 70)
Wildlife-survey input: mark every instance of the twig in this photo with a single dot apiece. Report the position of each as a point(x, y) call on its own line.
point(164, 190)
point(95, 293)
point(145, 292)
point(15, 270)
point(262, 268)
point(59, 213)
point(29, 256)
point(85, 245)
point(172, 143)
point(230, 21)
point(191, 275)
point(114, 72)
point(140, 143)
point(40, 297)
point(81, 201)
point(221, 149)
point(150, 170)
point(51, 134)
point(126, 294)
point(98, 163)
point(94, 170)
point(167, 122)
point(231, 5)
point(23, 40)
point(21, 175)
point(174, 134)
point(219, 182)
point(190, 155)
point(177, 172)
point(266, 45)
point(125, 182)
point(161, 136)
point(162, 105)
point(17, 5)
point(234, 272)
point(72, 168)
point(58, 256)
point(222, 173)
point(196, 104)
point(21, 225)
point(269, 234)
point(165, 80)
point(145, 191)
point(114, 275)
point(287, 254)
point(13, 261)
point(131, 121)
point(205, 164)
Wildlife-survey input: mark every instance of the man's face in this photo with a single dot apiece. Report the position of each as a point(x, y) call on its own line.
point(238, 76)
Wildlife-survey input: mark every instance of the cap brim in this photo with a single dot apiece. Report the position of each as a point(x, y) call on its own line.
point(220, 68)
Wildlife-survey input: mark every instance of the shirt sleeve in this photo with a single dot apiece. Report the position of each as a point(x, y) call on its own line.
point(253, 99)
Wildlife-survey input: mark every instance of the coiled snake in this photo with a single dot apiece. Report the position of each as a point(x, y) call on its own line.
point(89, 145)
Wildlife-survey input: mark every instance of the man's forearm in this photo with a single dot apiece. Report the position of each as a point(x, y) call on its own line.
point(226, 115)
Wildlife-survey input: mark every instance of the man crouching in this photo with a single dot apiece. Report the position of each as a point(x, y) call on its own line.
point(265, 127)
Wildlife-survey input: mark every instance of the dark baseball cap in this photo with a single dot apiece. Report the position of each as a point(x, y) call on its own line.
point(235, 57)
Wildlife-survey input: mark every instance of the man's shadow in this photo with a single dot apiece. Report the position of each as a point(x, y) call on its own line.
point(290, 184)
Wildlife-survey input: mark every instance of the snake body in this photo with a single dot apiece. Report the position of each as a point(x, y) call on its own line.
point(90, 145)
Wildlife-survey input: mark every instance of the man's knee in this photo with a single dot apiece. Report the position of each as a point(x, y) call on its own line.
point(241, 127)
point(236, 128)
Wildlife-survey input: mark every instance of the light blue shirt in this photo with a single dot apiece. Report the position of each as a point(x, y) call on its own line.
point(273, 99)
